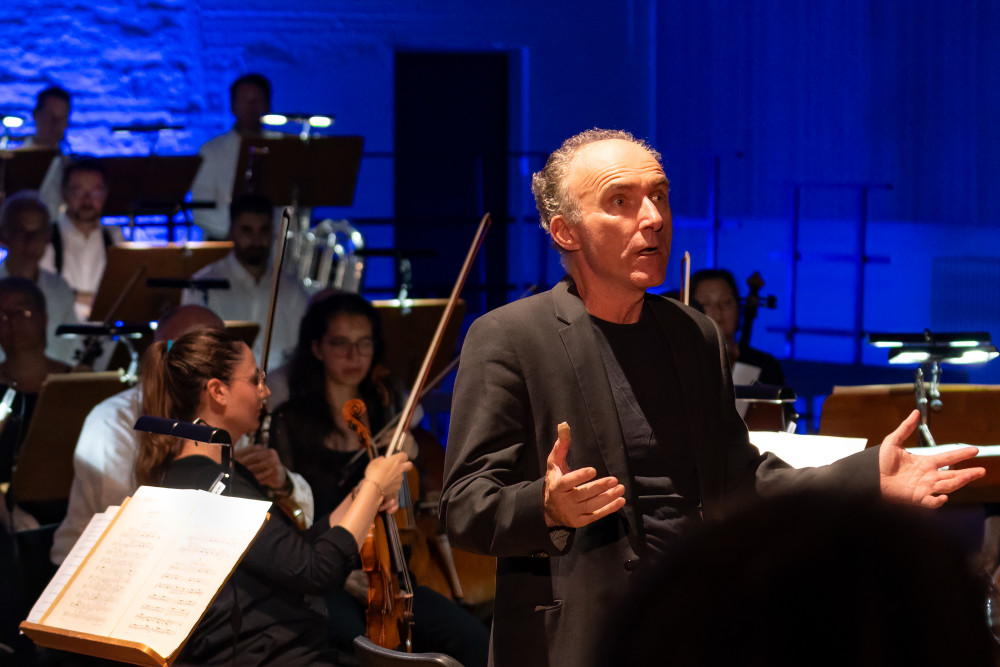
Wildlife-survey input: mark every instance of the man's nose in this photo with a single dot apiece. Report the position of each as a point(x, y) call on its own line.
point(650, 216)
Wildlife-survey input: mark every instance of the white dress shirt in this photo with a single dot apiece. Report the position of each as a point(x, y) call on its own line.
point(215, 179)
point(84, 258)
point(247, 299)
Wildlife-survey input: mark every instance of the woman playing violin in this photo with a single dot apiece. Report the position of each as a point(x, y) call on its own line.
point(338, 358)
point(207, 376)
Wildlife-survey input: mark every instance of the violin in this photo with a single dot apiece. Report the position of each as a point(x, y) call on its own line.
point(389, 618)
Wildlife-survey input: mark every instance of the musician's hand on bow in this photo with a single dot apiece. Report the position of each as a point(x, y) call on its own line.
point(573, 498)
point(388, 472)
point(918, 480)
point(265, 465)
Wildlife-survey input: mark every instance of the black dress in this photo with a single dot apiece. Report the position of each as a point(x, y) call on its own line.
point(277, 587)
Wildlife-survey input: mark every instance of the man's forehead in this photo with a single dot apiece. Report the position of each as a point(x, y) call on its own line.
point(252, 222)
point(602, 163)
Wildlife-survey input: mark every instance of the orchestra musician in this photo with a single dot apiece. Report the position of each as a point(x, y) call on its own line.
point(339, 357)
point(208, 376)
point(653, 444)
point(250, 271)
point(249, 100)
point(24, 233)
point(105, 453)
point(716, 292)
point(79, 245)
point(51, 116)
point(22, 335)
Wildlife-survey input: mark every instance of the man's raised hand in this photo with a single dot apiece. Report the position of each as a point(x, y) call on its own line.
point(919, 480)
point(573, 498)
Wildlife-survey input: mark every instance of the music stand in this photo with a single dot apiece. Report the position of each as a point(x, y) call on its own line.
point(320, 172)
point(144, 304)
point(44, 469)
point(243, 330)
point(24, 169)
point(148, 185)
point(408, 329)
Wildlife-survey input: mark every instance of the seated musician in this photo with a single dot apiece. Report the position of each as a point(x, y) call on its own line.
point(338, 359)
point(207, 375)
point(715, 291)
point(104, 458)
point(25, 229)
point(79, 245)
point(22, 335)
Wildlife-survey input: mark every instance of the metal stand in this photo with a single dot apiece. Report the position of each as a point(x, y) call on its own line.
point(928, 395)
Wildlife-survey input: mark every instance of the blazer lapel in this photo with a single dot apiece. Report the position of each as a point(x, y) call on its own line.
point(580, 342)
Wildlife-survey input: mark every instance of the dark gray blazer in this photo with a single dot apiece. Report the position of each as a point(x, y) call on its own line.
point(532, 364)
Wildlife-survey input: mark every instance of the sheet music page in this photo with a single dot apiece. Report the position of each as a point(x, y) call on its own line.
point(88, 538)
point(744, 374)
point(159, 566)
point(144, 531)
point(806, 451)
point(181, 587)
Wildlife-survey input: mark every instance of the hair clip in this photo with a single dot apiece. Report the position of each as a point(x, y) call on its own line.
point(170, 344)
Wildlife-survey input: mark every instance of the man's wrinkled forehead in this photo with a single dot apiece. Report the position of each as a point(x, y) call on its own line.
point(612, 163)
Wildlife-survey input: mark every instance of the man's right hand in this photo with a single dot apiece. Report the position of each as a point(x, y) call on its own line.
point(571, 499)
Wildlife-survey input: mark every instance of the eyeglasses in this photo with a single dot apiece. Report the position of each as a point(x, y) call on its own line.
point(18, 315)
point(258, 379)
point(342, 347)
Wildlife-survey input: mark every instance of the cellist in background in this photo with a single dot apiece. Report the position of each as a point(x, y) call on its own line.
point(715, 291)
point(339, 358)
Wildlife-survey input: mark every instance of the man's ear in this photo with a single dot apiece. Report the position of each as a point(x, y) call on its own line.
point(563, 233)
point(218, 391)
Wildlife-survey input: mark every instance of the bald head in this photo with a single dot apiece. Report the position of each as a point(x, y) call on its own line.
point(183, 319)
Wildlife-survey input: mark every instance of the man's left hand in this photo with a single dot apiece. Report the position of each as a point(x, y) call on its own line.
point(918, 480)
point(265, 465)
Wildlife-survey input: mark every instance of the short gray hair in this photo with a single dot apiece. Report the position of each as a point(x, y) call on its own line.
point(549, 184)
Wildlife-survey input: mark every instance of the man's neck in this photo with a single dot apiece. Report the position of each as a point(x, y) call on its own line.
point(621, 306)
point(256, 272)
point(85, 227)
point(27, 368)
point(249, 131)
point(18, 269)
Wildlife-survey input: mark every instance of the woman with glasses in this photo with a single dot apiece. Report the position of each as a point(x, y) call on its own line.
point(339, 358)
point(207, 376)
point(23, 371)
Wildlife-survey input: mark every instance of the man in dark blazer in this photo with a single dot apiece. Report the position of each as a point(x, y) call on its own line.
point(652, 442)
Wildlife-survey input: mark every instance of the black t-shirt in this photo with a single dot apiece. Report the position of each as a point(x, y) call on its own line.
point(648, 397)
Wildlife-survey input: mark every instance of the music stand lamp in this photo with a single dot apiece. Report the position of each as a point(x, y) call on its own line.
point(931, 350)
point(117, 331)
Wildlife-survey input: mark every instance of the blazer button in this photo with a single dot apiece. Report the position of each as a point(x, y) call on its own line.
point(631, 564)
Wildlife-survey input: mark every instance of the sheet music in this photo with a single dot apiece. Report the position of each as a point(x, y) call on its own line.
point(88, 538)
point(173, 599)
point(806, 451)
point(744, 374)
point(156, 571)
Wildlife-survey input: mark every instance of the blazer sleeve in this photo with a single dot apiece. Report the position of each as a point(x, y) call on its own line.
point(493, 484)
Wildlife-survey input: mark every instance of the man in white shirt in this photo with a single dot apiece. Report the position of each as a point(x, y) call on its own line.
point(51, 116)
point(104, 459)
point(249, 100)
point(249, 271)
point(78, 250)
point(24, 232)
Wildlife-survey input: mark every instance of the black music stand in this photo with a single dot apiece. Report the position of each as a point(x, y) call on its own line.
point(24, 169)
point(322, 171)
point(148, 185)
